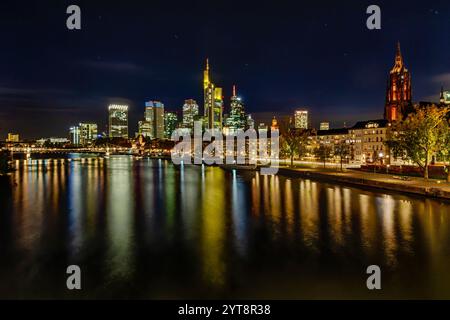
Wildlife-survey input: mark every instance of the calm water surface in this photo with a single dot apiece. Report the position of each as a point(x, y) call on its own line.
point(146, 229)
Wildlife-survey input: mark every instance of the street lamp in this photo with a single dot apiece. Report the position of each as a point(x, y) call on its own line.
point(381, 155)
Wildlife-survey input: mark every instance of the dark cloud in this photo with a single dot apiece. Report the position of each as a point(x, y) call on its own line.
point(443, 79)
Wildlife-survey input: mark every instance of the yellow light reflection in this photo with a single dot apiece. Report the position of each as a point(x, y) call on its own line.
point(213, 227)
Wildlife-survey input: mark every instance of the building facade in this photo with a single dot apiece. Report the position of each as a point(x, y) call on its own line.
point(88, 132)
point(301, 119)
point(190, 113)
point(332, 136)
point(74, 135)
point(237, 118)
point(52, 140)
point(367, 139)
point(118, 121)
point(83, 134)
point(324, 126)
point(145, 129)
point(364, 142)
point(154, 114)
point(13, 137)
point(334, 139)
point(398, 93)
point(170, 124)
point(213, 102)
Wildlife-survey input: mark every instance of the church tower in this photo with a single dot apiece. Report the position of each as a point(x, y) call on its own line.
point(398, 92)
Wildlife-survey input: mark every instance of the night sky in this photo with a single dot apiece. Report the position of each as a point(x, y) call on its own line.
point(281, 55)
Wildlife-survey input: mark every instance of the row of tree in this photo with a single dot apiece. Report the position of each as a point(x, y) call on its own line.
point(294, 142)
point(423, 137)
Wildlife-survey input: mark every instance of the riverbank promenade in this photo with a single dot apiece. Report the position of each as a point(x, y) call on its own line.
point(412, 185)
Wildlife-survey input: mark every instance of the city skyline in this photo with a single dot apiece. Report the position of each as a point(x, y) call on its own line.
point(207, 152)
point(152, 128)
point(75, 86)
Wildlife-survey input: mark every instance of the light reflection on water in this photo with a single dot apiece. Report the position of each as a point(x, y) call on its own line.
point(147, 229)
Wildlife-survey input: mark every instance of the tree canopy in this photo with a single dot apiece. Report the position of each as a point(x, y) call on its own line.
point(421, 135)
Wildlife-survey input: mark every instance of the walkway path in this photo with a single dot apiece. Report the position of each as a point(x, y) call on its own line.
point(431, 188)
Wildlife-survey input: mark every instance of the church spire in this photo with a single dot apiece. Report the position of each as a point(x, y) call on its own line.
point(234, 90)
point(398, 60)
point(399, 52)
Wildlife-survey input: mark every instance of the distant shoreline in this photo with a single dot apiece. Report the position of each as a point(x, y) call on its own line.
point(378, 181)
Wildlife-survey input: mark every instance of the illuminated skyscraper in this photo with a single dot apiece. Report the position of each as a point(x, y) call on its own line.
point(213, 103)
point(83, 134)
point(154, 113)
point(170, 124)
point(88, 133)
point(301, 119)
point(75, 135)
point(13, 137)
point(190, 113)
point(324, 126)
point(398, 92)
point(118, 121)
point(236, 119)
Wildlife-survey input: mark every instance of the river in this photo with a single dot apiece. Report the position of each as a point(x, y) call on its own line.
point(147, 229)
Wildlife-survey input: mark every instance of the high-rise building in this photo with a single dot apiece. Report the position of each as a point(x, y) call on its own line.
point(83, 134)
point(216, 117)
point(190, 113)
point(74, 134)
point(213, 101)
point(154, 113)
point(13, 137)
point(145, 128)
point(324, 126)
point(236, 119)
point(88, 132)
point(118, 121)
point(170, 124)
point(301, 119)
point(398, 92)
